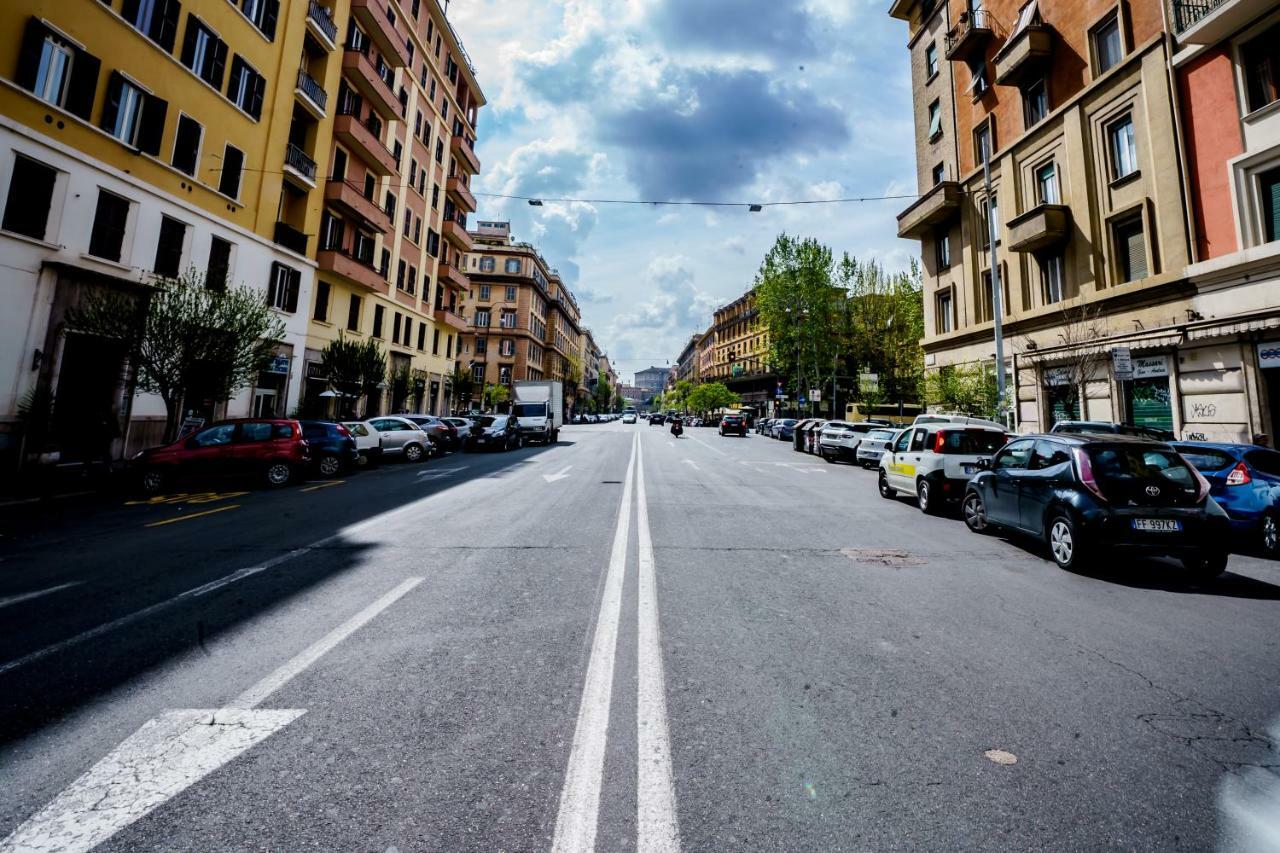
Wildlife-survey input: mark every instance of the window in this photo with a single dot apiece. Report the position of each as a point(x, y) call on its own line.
point(1035, 103)
point(1016, 456)
point(109, 222)
point(282, 292)
point(395, 327)
point(1047, 184)
point(435, 342)
point(203, 52)
point(401, 269)
point(186, 145)
point(1269, 184)
point(229, 179)
point(939, 174)
point(219, 269)
point(122, 116)
point(54, 75)
point(946, 316)
point(353, 314)
point(433, 243)
point(1052, 288)
point(978, 83)
point(508, 320)
point(482, 317)
point(482, 346)
point(1260, 58)
point(477, 373)
point(931, 60)
point(511, 294)
point(378, 313)
point(412, 284)
point(246, 87)
point(982, 143)
point(1108, 47)
point(156, 19)
point(321, 311)
point(26, 210)
point(408, 329)
point(169, 246)
point(935, 120)
point(1124, 150)
point(484, 288)
point(487, 264)
point(1131, 249)
point(512, 266)
point(987, 302)
point(264, 14)
point(448, 346)
point(942, 248)
point(990, 213)
point(413, 172)
point(439, 151)
point(504, 374)
point(422, 336)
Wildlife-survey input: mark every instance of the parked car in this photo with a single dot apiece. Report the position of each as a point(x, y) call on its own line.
point(1091, 497)
point(873, 445)
point(934, 461)
point(401, 438)
point(954, 418)
point(443, 434)
point(1244, 480)
point(495, 432)
point(783, 429)
point(1108, 428)
point(805, 439)
point(333, 447)
point(733, 425)
point(629, 418)
point(839, 440)
point(368, 442)
point(271, 450)
point(462, 425)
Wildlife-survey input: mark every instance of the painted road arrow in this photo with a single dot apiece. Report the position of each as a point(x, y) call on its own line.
point(694, 464)
point(562, 474)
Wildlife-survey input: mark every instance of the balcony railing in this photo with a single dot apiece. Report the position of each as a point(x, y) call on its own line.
point(297, 159)
point(291, 238)
point(1185, 14)
point(969, 35)
point(312, 89)
point(323, 19)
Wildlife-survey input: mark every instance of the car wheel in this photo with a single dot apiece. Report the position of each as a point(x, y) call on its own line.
point(830, 457)
point(1064, 542)
point(1207, 565)
point(975, 513)
point(924, 497)
point(886, 491)
point(413, 453)
point(329, 465)
point(278, 474)
point(1270, 535)
point(153, 481)
point(363, 460)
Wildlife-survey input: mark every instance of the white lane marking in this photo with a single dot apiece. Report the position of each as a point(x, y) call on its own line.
point(657, 826)
point(171, 753)
point(580, 797)
point(709, 447)
point(562, 474)
point(693, 464)
point(27, 596)
point(441, 472)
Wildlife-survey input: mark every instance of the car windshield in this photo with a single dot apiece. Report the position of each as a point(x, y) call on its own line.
point(530, 410)
point(880, 435)
point(490, 420)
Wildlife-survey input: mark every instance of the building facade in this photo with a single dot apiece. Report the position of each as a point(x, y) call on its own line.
point(740, 356)
point(652, 380)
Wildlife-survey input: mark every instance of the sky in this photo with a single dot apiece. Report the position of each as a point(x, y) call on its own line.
point(687, 100)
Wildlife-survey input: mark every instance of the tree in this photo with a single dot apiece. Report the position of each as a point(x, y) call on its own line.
point(571, 376)
point(711, 397)
point(679, 395)
point(967, 388)
point(496, 395)
point(462, 383)
point(184, 339)
point(619, 402)
point(1081, 351)
point(603, 394)
point(884, 327)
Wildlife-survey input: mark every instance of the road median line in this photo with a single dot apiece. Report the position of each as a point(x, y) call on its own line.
point(190, 516)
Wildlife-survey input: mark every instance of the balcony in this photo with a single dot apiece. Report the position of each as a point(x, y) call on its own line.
point(362, 141)
point(456, 233)
point(461, 194)
point(1045, 226)
point(1025, 56)
point(461, 147)
point(340, 263)
point(299, 166)
point(311, 94)
point(1211, 21)
point(290, 238)
point(320, 22)
point(450, 319)
point(350, 200)
point(373, 16)
point(935, 207)
point(451, 276)
point(361, 73)
point(968, 39)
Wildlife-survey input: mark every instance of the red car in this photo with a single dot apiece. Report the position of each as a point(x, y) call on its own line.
point(272, 451)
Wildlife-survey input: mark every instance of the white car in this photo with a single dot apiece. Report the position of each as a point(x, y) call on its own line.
point(873, 446)
point(401, 437)
point(629, 418)
point(368, 442)
point(839, 440)
point(935, 461)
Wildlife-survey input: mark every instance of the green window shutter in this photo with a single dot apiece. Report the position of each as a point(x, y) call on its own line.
point(1270, 182)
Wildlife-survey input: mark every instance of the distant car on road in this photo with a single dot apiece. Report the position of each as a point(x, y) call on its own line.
point(401, 438)
point(272, 451)
point(1094, 498)
point(1244, 480)
point(783, 429)
point(733, 425)
point(629, 418)
point(333, 447)
point(656, 419)
point(839, 440)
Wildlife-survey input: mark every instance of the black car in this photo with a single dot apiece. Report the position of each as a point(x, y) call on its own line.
point(495, 432)
point(1092, 497)
point(1106, 427)
point(333, 447)
point(733, 425)
point(656, 419)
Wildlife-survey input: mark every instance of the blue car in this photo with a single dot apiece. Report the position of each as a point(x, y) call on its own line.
point(1245, 481)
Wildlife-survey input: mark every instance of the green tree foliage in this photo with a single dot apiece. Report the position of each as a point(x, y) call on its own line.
point(462, 383)
point(969, 388)
point(603, 394)
point(183, 338)
point(679, 395)
point(710, 397)
point(355, 369)
point(619, 402)
point(496, 395)
point(883, 328)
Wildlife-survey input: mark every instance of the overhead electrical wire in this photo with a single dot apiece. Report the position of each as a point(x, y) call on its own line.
point(754, 207)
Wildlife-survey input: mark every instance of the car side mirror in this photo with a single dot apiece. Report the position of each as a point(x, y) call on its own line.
point(984, 464)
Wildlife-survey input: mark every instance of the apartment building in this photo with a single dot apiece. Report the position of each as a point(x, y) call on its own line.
point(1072, 105)
point(687, 364)
point(740, 356)
point(139, 140)
point(392, 237)
point(590, 362)
point(652, 380)
point(564, 342)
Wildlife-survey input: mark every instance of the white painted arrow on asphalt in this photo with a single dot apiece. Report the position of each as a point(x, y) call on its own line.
point(694, 464)
point(562, 474)
point(440, 473)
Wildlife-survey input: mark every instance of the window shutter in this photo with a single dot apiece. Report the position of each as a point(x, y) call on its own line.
point(130, 11)
point(273, 284)
point(1136, 251)
point(151, 129)
point(270, 12)
point(218, 64)
point(255, 97)
point(115, 84)
point(165, 25)
point(237, 65)
point(188, 54)
point(29, 55)
point(232, 162)
point(83, 84)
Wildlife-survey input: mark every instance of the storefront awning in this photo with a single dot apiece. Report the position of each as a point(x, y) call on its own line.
point(1239, 327)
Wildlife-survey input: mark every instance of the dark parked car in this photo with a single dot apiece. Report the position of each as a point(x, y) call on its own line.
point(495, 432)
point(333, 447)
point(272, 451)
point(1244, 479)
point(443, 435)
point(733, 425)
point(1108, 428)
point(1092, 498)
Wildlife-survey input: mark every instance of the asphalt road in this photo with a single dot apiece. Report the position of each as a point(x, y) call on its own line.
point(628, 640)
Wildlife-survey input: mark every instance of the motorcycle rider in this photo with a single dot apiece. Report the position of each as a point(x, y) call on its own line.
point(676, 427)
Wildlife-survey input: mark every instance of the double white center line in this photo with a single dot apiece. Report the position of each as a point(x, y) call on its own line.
point(658, 829)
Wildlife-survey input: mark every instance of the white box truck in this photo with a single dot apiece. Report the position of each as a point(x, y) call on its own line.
point(539, 409)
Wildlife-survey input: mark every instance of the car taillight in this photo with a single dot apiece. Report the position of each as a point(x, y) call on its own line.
point(940, 442)
point(343, 431)
point(1239, 476)
point(1085, 469)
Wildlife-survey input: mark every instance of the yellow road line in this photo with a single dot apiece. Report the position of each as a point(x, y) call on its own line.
point(323, 485)
point(191, 516)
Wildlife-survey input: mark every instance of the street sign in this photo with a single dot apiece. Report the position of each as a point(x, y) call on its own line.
point(869, 381)
point(1121, 363)
point(815, 394)
point(279, 364)
point(1269, 354)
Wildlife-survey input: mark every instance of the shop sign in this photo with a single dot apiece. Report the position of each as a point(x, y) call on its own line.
point(1151, 367)
point(279, 364)
point(1121, 363)
point(1269, 354)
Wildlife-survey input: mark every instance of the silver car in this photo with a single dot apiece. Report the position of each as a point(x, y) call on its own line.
point(401, 437)
point(873, 446)
point(839, 440)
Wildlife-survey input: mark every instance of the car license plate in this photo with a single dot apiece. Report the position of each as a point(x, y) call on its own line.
point(481, 440)
point(971, 469)
point(1157, 525)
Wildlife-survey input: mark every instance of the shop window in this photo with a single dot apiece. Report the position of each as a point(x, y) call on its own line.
point(109, 222)
point(30, 200)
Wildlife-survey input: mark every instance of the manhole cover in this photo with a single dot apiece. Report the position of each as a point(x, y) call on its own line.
point(999, 756)
point(882, 557)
